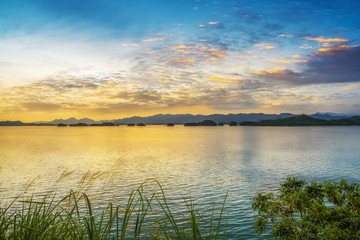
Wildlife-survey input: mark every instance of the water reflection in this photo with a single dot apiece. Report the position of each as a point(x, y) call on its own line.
point(202, 161)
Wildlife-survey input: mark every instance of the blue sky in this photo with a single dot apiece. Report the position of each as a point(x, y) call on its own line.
point(117, 58)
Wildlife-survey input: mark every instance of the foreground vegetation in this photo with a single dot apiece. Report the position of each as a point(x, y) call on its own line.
point(301, 210)
point(144, 216)
point(328, 210)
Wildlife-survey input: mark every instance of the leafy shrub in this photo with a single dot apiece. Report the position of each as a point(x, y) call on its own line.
point(328, 210)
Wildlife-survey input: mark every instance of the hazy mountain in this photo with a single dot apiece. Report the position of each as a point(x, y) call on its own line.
point(224, 118)
point(72, 121)
point(329, 116)
point(12, 123)
point(183, 118)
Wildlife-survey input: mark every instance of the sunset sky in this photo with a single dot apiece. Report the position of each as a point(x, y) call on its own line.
point(109, 59)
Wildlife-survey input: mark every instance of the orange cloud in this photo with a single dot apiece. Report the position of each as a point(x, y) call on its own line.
point(264, 46)
point(284, 35)
point(130, 45)
point(325, 40)
point(223, 79)
point(153, 39)
point(277, 73)
point(351, 86)
point(307, 98)
point(330, 50)
point(281, 61)
point(273, 70)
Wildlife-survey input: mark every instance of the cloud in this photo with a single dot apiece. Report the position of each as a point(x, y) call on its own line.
point(351, 86)
point(273, 27)
point(41, 106)
point(325, 40)
point(281, 61)
point(237, 105)
point(153, 39)
point(278, 74)
point(284, 35)
point(247, 16)
point(264, 46)
point(338, 64)
point(224, 79)
point(180, 56)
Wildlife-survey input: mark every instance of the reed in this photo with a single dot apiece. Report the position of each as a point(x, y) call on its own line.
point(145, 215)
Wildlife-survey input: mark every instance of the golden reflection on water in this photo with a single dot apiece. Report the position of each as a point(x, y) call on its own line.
point(137, 153)
point(199, 161)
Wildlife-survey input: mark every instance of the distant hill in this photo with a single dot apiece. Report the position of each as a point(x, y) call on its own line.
point(219, 118)
point(19, 123)
point(186, 118)
point(304, 120)
point(162, 119)
point(12, 123)
point(71, 121)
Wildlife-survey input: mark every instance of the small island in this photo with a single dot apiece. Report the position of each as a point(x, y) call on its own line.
point(232, 123)
point(203, 123)
point(103, 124)
point(79, 125)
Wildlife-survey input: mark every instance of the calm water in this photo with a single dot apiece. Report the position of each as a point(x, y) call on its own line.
point(202, 161)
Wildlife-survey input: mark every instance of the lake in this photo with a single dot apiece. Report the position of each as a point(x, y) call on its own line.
point(203, 162)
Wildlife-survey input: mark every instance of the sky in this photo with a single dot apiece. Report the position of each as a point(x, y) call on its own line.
point(111, 59)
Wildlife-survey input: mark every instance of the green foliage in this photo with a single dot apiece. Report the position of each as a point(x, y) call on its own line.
point(328, 210)
point(144, 216)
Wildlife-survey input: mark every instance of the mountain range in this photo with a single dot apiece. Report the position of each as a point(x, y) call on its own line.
point(160, 119)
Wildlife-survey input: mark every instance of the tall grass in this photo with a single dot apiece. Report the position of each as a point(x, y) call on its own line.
point(143, 216)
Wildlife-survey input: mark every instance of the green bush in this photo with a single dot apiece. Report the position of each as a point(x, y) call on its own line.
point(328, 210)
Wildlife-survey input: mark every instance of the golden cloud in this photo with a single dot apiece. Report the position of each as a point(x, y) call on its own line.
point(281, 61)
point(264, 46)
point(284, 35)
point(351, 86)
point(153, 39)
point(331, 50)
point(325, 40)
point(277, 73)
point(223, 79)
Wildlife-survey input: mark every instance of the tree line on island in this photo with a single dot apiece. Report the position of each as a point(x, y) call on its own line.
point(302, 120)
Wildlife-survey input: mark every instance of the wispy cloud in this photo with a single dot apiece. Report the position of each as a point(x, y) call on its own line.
point(64, 57)
point(264, 46)
point(325, 40)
